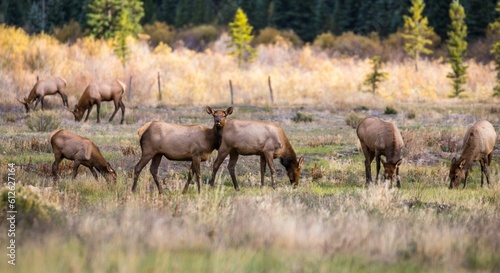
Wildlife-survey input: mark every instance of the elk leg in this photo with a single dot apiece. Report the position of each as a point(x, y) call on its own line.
point(465, 179)
point(368, 161)
point(138, 168)
point(55, 166)
point(262, 169)
point(64, 98)
point(398, 182)
point(37, 100)
point(117, 103)
point(98, 104)
point(122, 106)
point(377, 161)
point(220, 158)
point(88, 112)
point(190, 176)
point(196, 171)
point(270, 162)
point(154, 171)
point(94, 173)
point(233, 158)
point(76, 164)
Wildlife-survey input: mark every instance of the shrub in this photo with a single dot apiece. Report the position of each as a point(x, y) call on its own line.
point(389, 110)
point(353, 120)
point(68, 33)
point(272, 36)
point(411, 114)
point(300, 117)
point(325, 41)
point(350, 44)
point(43, 121)
point(160, 32)
point(198, 38)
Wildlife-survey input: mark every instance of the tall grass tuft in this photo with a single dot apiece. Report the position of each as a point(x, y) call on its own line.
point(43, 121)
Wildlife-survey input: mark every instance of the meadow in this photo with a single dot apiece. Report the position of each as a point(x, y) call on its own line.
point(331, 222)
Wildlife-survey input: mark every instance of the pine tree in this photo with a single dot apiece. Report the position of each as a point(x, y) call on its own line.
point(35, 19)
point(416, 32)
point(457, 46)
point(241, 36)
point(105, 17)
point(495, 49)
point(373, 79)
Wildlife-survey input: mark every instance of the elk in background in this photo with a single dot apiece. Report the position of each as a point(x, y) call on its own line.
point(42, 88)
point(96, 93)
point(176, 142)
point(81, 150)
point(266, 139)
point(478, 145)
point(381, 138)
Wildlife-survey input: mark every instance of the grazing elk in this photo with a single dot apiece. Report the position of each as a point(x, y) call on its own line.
point(379, 137)
point(266, 139)
point(81, 150)
point(478, 145)
point(96, 93)
point(44, 88)
point(193, 143)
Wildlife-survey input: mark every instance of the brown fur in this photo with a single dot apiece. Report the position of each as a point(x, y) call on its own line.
point(379, 137)
point(193, 143)
point(42, 88)
point(81, 150)
point(266, 139)
point(96, 93)
point(478, 145)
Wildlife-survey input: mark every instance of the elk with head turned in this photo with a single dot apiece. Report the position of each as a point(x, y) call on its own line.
point(82, 151)
point(96, 93)
point(265, 139)
point(42, 88)
point(478, 145)
point(176, 142)
point(381, 138)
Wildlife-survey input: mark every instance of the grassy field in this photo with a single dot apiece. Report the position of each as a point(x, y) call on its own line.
point(331, 223)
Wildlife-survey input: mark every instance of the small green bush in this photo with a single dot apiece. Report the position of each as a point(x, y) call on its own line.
point(70, 32)
point(353, 120)
point(160, 33)
point(270, 35)
point(325, 41)
point(43, 121)
point(411, 114)
point(389, 110)
point(300, 117)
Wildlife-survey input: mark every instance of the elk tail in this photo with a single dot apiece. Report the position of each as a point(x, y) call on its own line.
point(143, 128)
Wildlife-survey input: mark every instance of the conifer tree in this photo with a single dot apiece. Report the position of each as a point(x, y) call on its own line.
point(104, 17)
point(495, 49)
point(417, 32)
point(457, 45)
point(241, 36)
point(373, 79)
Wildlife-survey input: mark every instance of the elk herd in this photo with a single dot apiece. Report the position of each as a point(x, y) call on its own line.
point(195, 143)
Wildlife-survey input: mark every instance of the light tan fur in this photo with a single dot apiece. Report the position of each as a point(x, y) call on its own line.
point(42, 88)
point(478, 145)
point(96, 93)
point(381, 138)
point(81, 150)
point(177, 142)
point(266, 139)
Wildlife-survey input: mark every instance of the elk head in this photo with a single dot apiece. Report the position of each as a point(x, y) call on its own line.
point(293, 171)
point(457, 172)
point(390, 169)
point(78, 113)
point(109, 174)
point(219, 115)
point(26, 104)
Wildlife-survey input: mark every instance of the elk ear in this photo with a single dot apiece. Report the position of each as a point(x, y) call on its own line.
point(453, 160)
point(229, 111)
point(209, 110)
point(462, 164)
point(301, 161)
point(399, 162)
point(108, 167)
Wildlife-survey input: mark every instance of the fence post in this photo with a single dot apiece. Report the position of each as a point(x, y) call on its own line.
point(270, 89)
point(130, 89)
point(231, 89)
point(159, 87)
